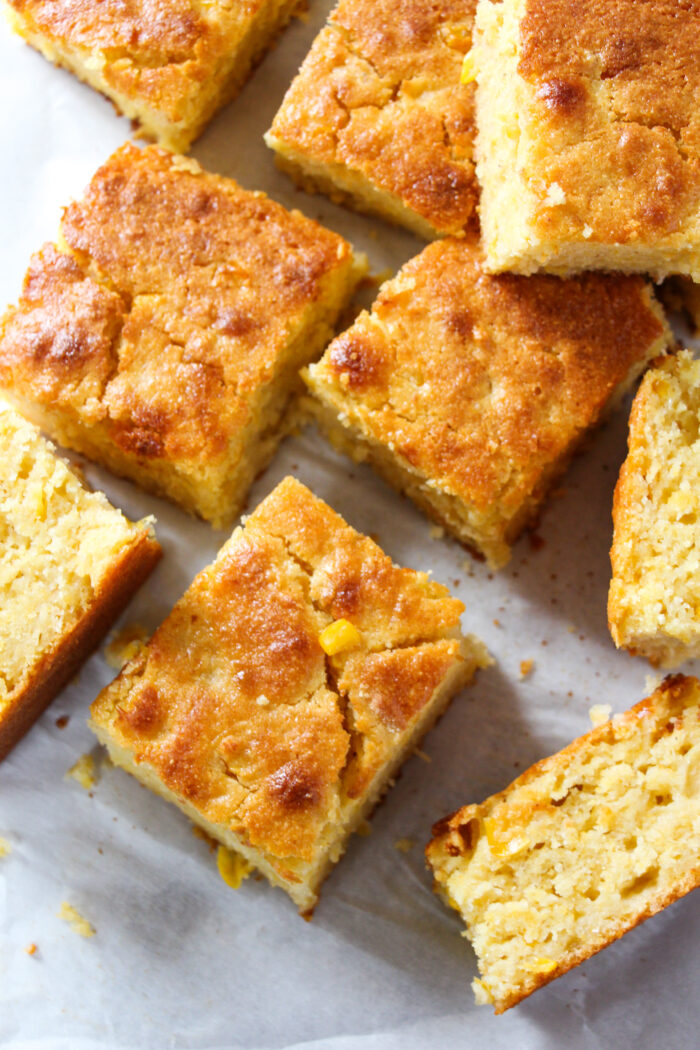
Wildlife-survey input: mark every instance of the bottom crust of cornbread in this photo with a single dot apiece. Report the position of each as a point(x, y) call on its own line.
point(58, 666)
point(580, 849)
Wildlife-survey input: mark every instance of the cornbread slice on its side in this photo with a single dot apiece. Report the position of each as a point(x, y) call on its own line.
point(470, 392)
point(380, 116)
point(588, 145)
point(579, 849)
point(164, 334)
point(168, 65)
point(69, 562)
point(654, 599)
point(285, 689)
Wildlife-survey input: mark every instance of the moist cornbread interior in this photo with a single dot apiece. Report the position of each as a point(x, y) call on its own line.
point(470, 392)
point(654, 600)
point(378, 118)
point(68, 563)
point(587, 148)
point(579, 849)
point(234, 712)
point(168, 66)
point(163, 335)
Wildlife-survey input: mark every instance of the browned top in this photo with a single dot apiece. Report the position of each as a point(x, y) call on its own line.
point(616, 110)
point(479, 382)
point(380, 94)
point(171, 310)
point(233, 701)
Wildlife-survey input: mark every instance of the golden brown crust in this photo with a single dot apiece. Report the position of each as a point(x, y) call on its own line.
point(380, 95)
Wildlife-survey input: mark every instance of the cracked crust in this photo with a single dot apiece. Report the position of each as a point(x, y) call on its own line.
point(378, 117)
point(470, 392)
point(164, 334)
point(234, 711)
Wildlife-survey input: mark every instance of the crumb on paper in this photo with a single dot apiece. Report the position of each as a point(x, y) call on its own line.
point(62, 721)
point(652, 682)
point(202, 834)
point(125, 644)
point(233, 868)
point(5, 847)
point(364, 830)
point(526, 668)
point(31, 949)
point(77, 922)
point(572, 628)
point(436, 532)
point(84, 771)
point(404, 845)
point(422, 755)
point(599, 714)
point(496, 623)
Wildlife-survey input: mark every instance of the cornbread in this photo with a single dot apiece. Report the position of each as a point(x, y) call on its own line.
point(236, 714)
point(380, 116)
point(167, 65)
point(588, 145)
point(77, 922)
point(69, 562)
point(579, 849)
point(654, 600)
point(470, 392)
point(163, 335)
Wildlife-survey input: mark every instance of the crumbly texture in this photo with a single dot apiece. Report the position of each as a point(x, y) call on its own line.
point(579, 849)
point(163, 335)
point(470, 392)
point(654, 599)
point(235, 713)
point(69, 562)
point(588, 149)
point(167, 65)
point(378, 117)
point(77, 922)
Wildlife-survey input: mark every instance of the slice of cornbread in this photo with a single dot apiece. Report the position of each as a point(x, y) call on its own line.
point(380, 116)
point(579, 849)
point(588, 146)
point(167, 64)
point(470, 392)
point(164, 334)
point(654, 599)
point(286, 688)
point(69, 562)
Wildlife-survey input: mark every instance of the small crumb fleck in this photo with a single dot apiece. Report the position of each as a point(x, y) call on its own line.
point(496, 623)
point(62, 721)
point(554, 195)
point(364, 830)
point(536, 542)
point(31, 949)
point(233, 868)
point(526, 668)
point(125, 645)
point(436, 532)
point(262, 700)
point(5, 848)
point(84, 772)
point(77, 922)
point(572, 629)
point(422, 755)
point(599, 714)
point(404, 845)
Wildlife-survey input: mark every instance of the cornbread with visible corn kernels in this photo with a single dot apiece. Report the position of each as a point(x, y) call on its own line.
point(654, 600)
point(579, 849)
point(261, 715)
point(588, 145)
point(69, 562)
point(470, 392)
point(380, 116)
point(167, 65)
point(163, 335)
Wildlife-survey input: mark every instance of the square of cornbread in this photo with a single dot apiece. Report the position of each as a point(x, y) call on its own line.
point(378, 117)
point(169, 65)
point(470, 392)
point(588, 145)
point(654, 599)
point(285, 689)
point(579, 849)
point(69, 562)
point(163, 334)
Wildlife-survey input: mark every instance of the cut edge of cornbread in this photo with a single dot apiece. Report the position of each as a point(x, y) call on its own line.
point(492, 862)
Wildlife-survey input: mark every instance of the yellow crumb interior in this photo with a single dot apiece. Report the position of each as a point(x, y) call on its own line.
point(77, 922)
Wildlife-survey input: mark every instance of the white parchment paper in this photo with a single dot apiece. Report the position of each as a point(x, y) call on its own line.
point(179, 960)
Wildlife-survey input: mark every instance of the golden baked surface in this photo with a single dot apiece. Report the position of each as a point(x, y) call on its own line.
point(579, 849)
point(379, 95)
point(482, 385)
point(239, 711)
point(177, 308)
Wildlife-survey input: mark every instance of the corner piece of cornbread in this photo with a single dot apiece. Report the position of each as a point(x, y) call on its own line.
point(470, 392)
point(588, 145)
point(69, 562)
point(380, 116)
point(164, 333)
point(579, 849)
point(285, 689)
point(654, 599)
point(169, 65)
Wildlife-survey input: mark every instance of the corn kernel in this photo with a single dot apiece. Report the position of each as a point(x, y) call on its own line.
point(501, 843)
point(233, 868)
point(540, 964)
point(468, 74)
point(338, 636)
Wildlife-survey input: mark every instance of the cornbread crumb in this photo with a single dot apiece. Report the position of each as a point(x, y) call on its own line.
point(84, 771)
point(233, 868)
point(5, 848)
point(599, 713)
point(75, 920)
point(125, 645)
point(436, 532)
point(404, 845)
point(526, 668)
point(31, 949)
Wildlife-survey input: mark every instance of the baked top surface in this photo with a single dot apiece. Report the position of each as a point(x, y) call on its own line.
point(234, 703)
point(170, 309)
point(380, 94)
point(481, 383)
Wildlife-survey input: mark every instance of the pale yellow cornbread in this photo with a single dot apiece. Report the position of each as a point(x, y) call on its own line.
point(579, 849)
point(285, 689)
